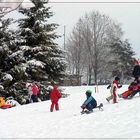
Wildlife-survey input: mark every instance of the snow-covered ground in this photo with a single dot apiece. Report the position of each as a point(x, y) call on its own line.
point(120, 120)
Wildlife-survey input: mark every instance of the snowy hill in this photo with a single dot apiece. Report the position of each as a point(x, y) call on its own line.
point(35, 121)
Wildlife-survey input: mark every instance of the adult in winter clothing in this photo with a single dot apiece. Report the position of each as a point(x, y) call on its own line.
point(32, 92)
point(90, 103)
point(114, 86)
point(55, 95)
point(136, 70)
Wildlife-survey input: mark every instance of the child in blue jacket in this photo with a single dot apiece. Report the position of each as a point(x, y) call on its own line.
point(89, 104)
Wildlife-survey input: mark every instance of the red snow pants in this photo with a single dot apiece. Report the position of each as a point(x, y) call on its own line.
point(114, 97)
point(54, 103)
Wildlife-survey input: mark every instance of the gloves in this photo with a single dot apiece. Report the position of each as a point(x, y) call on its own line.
point(119, 86)
point(109, 86)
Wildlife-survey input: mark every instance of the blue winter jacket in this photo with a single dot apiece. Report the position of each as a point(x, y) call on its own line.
point(90, 100)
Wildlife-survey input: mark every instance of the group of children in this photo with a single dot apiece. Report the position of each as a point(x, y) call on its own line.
point(32, 89)
point(90, 103)
point(55, 95)
point(133, 89)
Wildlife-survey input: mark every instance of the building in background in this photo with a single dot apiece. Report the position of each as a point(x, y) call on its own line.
point(72, 80)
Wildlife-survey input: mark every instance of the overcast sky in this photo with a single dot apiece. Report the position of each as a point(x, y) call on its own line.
point(127, 14)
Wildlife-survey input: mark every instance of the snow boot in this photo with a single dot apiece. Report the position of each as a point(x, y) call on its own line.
point(120, 95)
point(100, 106)
point(109, 98)
point(130, 97)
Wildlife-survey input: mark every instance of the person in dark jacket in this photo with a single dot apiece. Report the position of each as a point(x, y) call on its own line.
point(136, 70)
point(89, 104)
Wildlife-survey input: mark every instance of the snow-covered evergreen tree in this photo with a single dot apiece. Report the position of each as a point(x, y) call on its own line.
point(7, 44)
point(44, 58)
point(30, 54)
point(7, 63)
point(122, 64)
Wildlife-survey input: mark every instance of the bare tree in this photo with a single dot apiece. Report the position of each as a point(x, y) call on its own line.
point(76, 54)
point(89, 45)
point(7, 6)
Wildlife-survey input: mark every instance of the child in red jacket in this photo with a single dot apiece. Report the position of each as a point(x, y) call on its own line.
point(114, 86)
point(55, 96)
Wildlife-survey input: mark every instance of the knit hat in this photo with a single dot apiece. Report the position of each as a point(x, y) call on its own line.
point(117, 78)
point(88, 92)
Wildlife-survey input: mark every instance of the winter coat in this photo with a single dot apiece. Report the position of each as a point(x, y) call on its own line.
point(34, 90)
point(134, 86)
point(114, 86)
point(136, 71)
point(55, 94)
point(90, 100)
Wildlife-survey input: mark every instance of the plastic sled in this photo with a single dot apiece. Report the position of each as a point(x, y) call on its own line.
point(6, 106)
point(126, 94)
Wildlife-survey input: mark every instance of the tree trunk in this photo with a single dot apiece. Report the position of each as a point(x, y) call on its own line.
point(95, 76)
point(90, 74)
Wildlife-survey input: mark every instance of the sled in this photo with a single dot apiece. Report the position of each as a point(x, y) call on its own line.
point(100, 106)
point(89, 112)
point(6, 106)
point(126, 94)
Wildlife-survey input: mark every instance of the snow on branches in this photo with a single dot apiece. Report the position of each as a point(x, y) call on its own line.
point(36, 63)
